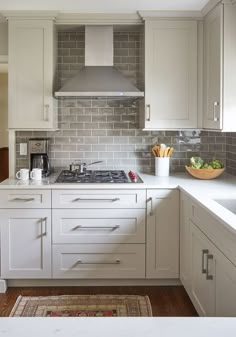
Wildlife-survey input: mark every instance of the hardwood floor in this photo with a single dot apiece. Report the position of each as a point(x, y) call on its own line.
point(165, 300)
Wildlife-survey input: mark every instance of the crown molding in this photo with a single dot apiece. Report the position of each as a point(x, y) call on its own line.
point(98, 18)
point(30, 15)
point(209, 6)
point(148, 15)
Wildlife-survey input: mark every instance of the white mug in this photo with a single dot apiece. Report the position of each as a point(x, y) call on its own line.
point(36, 174)
point(23, 174)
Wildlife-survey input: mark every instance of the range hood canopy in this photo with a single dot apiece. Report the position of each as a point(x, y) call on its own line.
point(98, 77)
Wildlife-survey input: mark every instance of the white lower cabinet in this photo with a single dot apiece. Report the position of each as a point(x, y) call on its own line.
point(98, 226)
point(213, 278)
point(103, 261)
point(25, 243)
point(98, 234)
point(203, 275)
point(162, 253)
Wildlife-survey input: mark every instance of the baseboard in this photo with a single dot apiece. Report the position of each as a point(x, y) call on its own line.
point(94, 283)
point(3, 286)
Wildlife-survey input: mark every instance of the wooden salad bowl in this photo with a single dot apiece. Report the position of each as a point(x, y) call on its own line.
point(204, 173)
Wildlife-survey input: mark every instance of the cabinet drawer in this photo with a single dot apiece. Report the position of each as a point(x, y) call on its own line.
point(99, 198)
point(99, 261)
point(25, 199)
point(99, 226)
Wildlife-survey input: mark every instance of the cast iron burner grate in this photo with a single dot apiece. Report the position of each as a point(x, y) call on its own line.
point(99, 176)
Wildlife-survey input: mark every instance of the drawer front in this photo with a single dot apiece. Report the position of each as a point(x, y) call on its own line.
point(99, 261)
point(25, 198)
point(99, 198)
point(98, 226)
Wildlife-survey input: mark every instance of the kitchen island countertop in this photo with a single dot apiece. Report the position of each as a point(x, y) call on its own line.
point(117, 327)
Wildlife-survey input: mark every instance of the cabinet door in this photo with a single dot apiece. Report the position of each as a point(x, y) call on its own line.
point(185, 247)
point(162, 234)
point(170, 74)
point(31, 74)
point(25, 243)
point(213, 41)
point(202, 289)
point(225, 291)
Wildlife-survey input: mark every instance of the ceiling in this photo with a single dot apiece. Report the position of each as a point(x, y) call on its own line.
point(102, 6)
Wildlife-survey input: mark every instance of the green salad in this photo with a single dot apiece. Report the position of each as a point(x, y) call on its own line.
point(199, 163)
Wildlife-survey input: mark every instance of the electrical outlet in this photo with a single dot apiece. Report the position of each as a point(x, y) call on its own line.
point(23, 149)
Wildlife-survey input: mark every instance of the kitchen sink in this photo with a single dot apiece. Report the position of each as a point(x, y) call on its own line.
point(229, 204)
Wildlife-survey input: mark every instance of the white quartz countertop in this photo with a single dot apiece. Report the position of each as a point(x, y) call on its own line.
point(118, 327)
point(203, 191)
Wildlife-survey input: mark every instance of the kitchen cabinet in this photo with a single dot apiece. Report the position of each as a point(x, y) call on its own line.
point(170, 75)
point(25, 243)
point(203, 279)
point(99, 261)
point(213, 278)
point(103, 226)
point(220, 68)
point(98, 233)
point(185, 257)
point(31, 74)
point(162, 260)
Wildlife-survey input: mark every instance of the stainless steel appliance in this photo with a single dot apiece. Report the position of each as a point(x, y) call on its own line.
point(96, 176)
point(38, 155)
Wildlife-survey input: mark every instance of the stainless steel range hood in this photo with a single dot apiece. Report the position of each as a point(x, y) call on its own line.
point(98, 77)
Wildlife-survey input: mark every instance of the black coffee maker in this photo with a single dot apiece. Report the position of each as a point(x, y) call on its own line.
point(38, 155)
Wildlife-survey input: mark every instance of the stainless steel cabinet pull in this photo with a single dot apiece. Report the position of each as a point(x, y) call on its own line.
point(111, 262)
point(208, 277)
point(148, 112)
point(204, 251)
point(23, 199)
point(103, 200)
point(215, 105)
point(151, 211)
point(46, 112)
point(97, 227)
point(44, 221)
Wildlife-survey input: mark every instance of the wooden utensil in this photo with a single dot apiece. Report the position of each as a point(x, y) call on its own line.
point(171, 150)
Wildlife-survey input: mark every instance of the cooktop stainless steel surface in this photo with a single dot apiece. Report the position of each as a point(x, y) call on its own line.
point(95, 176)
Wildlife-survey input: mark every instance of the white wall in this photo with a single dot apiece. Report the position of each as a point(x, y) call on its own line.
point(3, 38)
point(3, 109)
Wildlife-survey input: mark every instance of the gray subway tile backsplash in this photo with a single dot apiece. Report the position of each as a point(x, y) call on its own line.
point(107, 128)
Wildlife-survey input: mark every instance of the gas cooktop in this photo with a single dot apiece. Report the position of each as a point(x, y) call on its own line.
point(91, 177)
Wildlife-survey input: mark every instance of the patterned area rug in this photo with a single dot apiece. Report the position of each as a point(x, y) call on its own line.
point(82, 306)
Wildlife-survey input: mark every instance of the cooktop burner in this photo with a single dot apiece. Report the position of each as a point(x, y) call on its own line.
point(100, 176)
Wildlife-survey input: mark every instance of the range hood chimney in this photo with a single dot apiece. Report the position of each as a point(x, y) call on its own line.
point(98, 77)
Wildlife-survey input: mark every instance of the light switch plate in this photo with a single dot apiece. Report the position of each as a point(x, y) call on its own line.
point(23, 149)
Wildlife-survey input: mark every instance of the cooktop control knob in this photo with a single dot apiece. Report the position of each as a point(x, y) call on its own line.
point(132, 176)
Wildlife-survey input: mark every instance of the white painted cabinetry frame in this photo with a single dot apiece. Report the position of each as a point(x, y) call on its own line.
point(31, 73)
point(162, 260)
point(171, 66)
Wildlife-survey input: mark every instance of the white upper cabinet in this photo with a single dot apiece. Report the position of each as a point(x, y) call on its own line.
point(31, 73)
point(220, 68)
point(170, 74)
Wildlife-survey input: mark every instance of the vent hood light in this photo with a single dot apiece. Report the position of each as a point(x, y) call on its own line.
point(98, 77)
